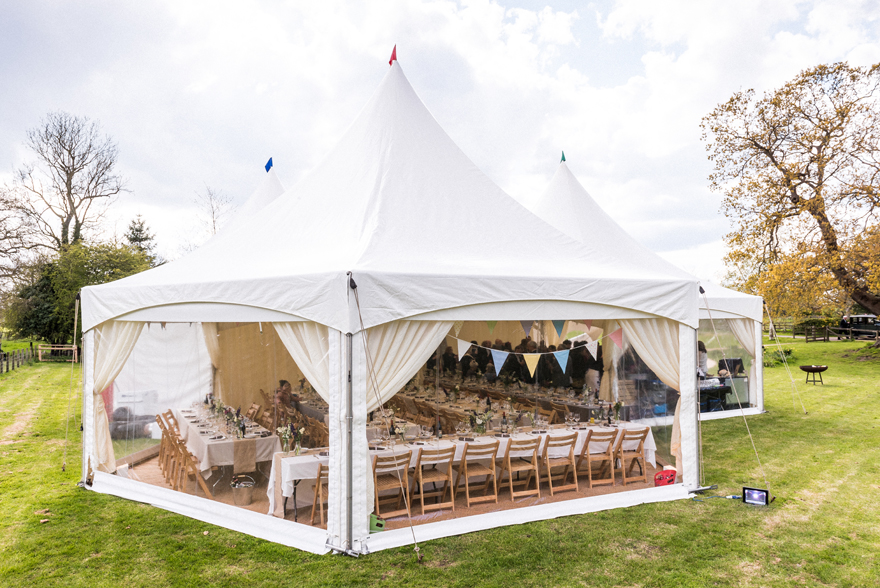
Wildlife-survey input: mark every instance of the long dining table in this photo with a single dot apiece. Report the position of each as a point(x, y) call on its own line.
point(294, 475)
point(212, 447)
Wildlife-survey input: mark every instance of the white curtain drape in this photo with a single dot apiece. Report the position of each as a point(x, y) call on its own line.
point(611, 355)
point(309, 345)
point(744, 331)
point(657, 343)
point(114, 342)
point(212, 342)
point(396, 351)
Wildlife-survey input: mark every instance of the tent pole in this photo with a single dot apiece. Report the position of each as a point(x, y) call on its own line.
point(348, 432)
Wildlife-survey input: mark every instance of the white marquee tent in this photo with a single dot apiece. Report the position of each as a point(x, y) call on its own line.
point(567, 205)
point(355, 259)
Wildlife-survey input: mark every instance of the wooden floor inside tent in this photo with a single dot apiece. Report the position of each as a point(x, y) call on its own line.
point(150, 473)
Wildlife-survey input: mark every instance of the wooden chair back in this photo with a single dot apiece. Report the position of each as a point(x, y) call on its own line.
point(432, 458)
point(320, 488)
point(636, 456)
point(605, 457)
point(391, 472)
point(521, 455)
point(253, 411)
point(555, 456)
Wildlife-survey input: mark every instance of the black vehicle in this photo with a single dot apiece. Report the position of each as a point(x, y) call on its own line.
point(864, 326)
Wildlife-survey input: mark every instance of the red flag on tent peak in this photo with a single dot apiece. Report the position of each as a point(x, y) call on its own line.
point(393, 55)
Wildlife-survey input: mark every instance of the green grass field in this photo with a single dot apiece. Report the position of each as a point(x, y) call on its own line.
point(823, 529)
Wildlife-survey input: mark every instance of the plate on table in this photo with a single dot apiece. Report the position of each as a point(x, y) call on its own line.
point(217, 437)
point(207, 432)
point(203, 426)
point(252, 436)
point(187, 411)
point(378, 448)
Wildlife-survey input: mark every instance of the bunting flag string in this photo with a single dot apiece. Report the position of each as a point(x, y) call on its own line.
point(498, 359)
point(562, 358)
point(593, 348)
point(617, 337)
point(463, 347)
point(532, 361)
point(558, 325)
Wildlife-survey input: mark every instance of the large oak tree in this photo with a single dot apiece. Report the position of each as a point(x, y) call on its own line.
point(799, 168)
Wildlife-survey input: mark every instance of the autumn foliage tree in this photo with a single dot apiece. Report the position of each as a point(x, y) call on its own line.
point(799, 168)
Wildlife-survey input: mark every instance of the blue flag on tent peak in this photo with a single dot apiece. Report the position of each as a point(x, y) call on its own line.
point(563, 157)
point(268, 165)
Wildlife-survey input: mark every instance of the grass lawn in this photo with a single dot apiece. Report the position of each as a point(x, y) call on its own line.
point(823, 529)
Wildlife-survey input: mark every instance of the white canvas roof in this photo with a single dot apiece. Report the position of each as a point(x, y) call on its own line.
point(567, 205)
point(269, 188)
point(422, 231)
point(727, 303)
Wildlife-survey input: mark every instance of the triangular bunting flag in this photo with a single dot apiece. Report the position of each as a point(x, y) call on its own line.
point(393, 55)
point(491, 325)
point(527, 326)
point(269, 165)
point(463, 346)
point(562, 358)
point(456, 326)
point(593, 348)
point(558, 325)
point(617, 337)
point(498, 358)
point(589, 324)
point(532, 361)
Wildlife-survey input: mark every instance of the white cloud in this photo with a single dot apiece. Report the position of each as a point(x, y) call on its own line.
point(203, 92)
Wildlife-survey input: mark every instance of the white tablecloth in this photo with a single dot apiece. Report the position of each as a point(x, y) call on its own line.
point(220, 452)
point(305, 467)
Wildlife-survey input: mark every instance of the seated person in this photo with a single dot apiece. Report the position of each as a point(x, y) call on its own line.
point(284, 394)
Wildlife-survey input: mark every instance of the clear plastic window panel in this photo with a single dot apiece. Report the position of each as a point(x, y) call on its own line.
point(214, 422)
point(725, 383)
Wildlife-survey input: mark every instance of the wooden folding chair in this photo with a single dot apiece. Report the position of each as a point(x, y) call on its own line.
point(605, 458)
point(561, 411)
point(549, 414)
point(320, 489)
point(253, 411)
point(391, 472)
point(164, 443)
point(637, 455)
point(189, 467)
point(433, 459)
point(521, 456)
point(469, 466)
point(172, 422)
point(558, 445)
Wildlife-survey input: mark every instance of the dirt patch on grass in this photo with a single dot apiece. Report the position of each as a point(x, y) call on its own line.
point(21, 422)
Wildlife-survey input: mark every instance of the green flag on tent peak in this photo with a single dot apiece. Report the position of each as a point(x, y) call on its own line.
point(563, 157)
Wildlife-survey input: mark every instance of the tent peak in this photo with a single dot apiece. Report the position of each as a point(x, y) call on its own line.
point(393, 55)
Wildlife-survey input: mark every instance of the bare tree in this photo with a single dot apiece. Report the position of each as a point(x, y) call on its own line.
point(214, 208)
point(16, 233)
point(68, 188)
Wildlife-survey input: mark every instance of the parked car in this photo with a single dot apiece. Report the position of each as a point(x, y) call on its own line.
point(864, 325)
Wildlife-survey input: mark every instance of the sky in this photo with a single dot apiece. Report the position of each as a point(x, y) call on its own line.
point(200, 94)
